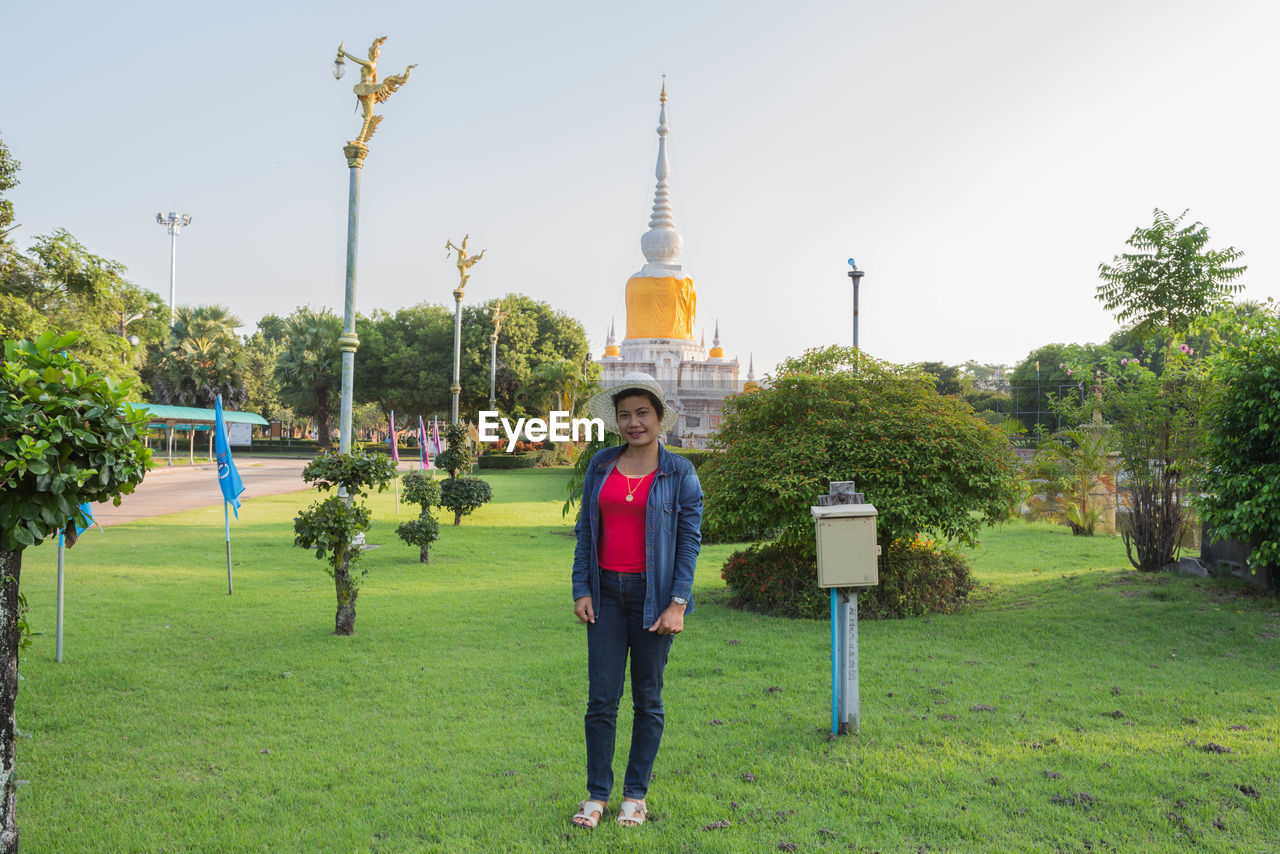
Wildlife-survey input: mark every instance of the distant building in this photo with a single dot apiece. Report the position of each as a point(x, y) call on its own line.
point(661, 307)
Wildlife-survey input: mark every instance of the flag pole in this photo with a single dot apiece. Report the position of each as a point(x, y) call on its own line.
point(57, 647)
point(226, 522)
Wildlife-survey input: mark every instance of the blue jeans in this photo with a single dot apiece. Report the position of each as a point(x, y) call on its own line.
point(619, 629)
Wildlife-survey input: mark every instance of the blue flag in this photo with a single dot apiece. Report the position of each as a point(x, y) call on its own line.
point(228, 477)
point(87, 510)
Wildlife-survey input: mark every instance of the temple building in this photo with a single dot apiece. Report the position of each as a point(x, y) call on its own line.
point(661, 308)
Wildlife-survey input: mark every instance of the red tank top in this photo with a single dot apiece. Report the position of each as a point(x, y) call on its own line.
point(622, 522)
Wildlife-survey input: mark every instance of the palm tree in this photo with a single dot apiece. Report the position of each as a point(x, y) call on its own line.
point(308, 368)
point(1072, 474)
point(202, 359)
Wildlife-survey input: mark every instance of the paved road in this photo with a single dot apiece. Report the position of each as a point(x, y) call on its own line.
point(168, 490)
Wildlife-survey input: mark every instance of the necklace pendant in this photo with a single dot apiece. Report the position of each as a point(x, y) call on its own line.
point(630, 498)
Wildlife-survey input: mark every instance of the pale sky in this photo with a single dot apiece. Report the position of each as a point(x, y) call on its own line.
point(978, 159)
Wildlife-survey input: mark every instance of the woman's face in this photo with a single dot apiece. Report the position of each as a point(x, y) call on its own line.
point(638, 421)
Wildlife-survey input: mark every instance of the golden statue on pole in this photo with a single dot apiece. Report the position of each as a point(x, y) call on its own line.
point(369, 92)
point(465, 262)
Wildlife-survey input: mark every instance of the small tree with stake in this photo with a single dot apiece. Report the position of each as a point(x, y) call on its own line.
point(421, 489)
point(332, 525)
point(460, 494)
point(66, 437)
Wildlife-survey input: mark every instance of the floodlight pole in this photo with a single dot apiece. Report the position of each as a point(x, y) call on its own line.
point(175, 222)
point(855, 275)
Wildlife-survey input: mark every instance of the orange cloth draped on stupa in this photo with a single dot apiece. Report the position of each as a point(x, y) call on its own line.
point(660, 307)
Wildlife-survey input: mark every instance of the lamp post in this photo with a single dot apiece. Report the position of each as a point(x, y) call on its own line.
point(855, 275)
point(132, 340)
point(498, 314)
point(175, 223)
point(465, 262)
point(369, 92)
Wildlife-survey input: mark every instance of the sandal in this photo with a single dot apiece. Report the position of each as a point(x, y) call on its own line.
point(589, 814)
point(632, 813)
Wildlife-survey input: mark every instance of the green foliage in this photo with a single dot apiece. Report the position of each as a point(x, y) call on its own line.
point(358, 471)
point(464, 495)
point(67, 437)
point(329, 527)
point(309, 368)
point(1242, 447)
point(924, 460)
point(916, 577)
point(1157, 427)
point(456, 457)
point(509, 461)
point(946, 378)
point(420, 488)
point(693, 455)
point(200, 360)
point(406, 358)
point(1071, 475)
point(1171, 279)
point(420, 532)
point(573, 489)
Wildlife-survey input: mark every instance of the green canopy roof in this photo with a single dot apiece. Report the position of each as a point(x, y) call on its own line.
point(196, 415)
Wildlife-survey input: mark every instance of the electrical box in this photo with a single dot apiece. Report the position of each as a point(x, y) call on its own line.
point(848, 555)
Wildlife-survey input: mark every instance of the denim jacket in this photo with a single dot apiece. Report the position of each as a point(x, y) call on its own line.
point(673, 532)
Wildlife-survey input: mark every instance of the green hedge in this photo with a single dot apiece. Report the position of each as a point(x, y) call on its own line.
point(509, 461)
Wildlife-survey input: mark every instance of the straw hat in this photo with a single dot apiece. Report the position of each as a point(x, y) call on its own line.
point(601, 405)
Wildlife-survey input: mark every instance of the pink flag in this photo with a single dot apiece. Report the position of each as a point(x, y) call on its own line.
point(435, 428)
point(422, 444)
point(395, 451)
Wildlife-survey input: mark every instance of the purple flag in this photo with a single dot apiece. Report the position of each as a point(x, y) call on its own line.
point(435, 428)
point(422, 444)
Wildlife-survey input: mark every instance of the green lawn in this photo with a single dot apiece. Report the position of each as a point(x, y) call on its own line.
point(186, 720)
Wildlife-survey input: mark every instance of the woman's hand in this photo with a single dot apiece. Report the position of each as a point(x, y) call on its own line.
point(583, 611)
point(670, 621)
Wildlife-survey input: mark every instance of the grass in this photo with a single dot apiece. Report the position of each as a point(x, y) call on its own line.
point(1066, 708)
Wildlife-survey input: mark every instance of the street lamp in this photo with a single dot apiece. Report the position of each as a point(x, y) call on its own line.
point(175, 223)
point(133, 340)
point(498, 314)
point(369, 92)
point(855, 275)
point(465, 263)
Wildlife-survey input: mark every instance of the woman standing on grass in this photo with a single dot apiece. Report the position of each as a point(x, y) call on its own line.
point(639, 534)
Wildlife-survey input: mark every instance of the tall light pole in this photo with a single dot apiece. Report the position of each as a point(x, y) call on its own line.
point(369, 92)
point(498, 314)
point(465, 262)
point(855, 275)
point(175, 223)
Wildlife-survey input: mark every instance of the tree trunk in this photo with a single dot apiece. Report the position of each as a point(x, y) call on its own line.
point(322, 417)
point(457, 518)
point(422, 554)
point(344, 621)
point(10, 571)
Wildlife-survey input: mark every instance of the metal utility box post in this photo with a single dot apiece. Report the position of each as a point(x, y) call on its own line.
point(845, 527)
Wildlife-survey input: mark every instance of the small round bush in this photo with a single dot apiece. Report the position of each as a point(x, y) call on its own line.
point(463, 495)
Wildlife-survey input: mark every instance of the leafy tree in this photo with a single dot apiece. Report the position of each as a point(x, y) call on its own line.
point(332, 525)
point(202, 359)
point(1170, 280)
point(923, 459)
point(309, 367)
point(262, 387)
point(1242, 448)
point(462, 495)
point(67, 437)
point(405, 360)
point(946, 378)
point(422, 489)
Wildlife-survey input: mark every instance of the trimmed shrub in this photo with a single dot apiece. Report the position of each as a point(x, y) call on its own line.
point(546, 458)
point(422, 489)
point(916, 577)
point(463, 495)
point(509, 461)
